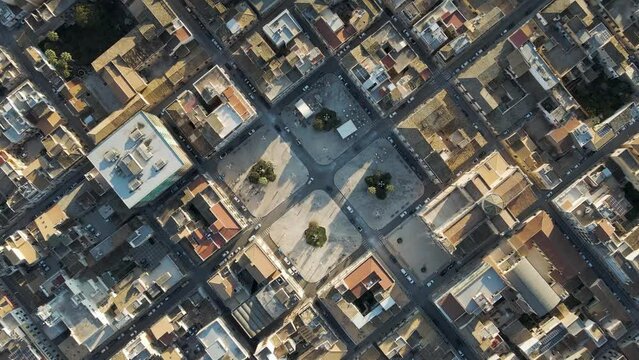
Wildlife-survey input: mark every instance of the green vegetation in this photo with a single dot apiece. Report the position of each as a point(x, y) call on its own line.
point(53, 36)
point(315, 235)
point(326, 120)
point(262, 173)
point(379, 184)
point(61, 63)
point(87, 15)
point(603, 96)
point(97, 26)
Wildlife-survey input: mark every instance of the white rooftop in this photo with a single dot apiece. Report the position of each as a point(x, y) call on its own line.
point(282, 29)
point(219, 343)
point(303, 108)
point(228, 119)
point(347, 129)
point(13, 124)
point(138, 157)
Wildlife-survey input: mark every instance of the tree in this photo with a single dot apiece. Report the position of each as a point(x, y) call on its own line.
point(53, 36)
point(85, 14)
point(379, 184)
point(262, 173)
point(315, 235)
point(51, 56)
point(325, 120)
point(66, 57)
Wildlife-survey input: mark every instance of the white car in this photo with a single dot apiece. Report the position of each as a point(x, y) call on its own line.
point(349, 208)
point(430, 283)
point(410, 279)
point(403, 272)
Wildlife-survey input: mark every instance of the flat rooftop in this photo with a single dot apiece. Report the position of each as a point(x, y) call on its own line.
point(138, 158)
point(219, 343)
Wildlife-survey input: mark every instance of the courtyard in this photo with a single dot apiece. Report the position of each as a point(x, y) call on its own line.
point(328, 93)
point(378, 157)
point(314, 263)
point(412, 243)
point(267, 145)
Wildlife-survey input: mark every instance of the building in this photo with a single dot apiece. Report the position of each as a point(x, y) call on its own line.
point(482, 204)
point(386, 68)
point(304, 335)
point(415, 337)
point(599, 207)
point(20, 248)
point(93, 311)
point(438, 129)
point(20, 337)
point(278, 57)
point(219, 343)
point(326, 17)
point(535, 292)
point(362, 297)
point(140, 347)
point(10, 73)
point(255, 288)
point(282, 29)
point(140, 159)
point(148, 64)
point(627, 158)
point(226, 21)
point(209, 117)
point(24, 111)
point(203, 215)
point(23, 184)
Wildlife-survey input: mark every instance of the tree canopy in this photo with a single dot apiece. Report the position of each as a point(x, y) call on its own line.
point(326, 120)
point(315, 235)
point(262, 173)
point(379, 184)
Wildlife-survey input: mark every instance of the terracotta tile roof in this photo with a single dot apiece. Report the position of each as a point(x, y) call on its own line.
point(451, 307)
point(198, 185)
point(542, 231)
point(425, 74)
point(225, 225)
point(369, 270)
point(182, 34)
point(327, 34)
point(604, 230)
point(388, 62)
point(456, 19)
point(204, 251)
point(518, 38)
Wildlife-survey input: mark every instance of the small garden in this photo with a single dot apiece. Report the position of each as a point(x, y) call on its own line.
point(326, 120)
point(97, 26)
point(315, 235)
point(603, 96)
point(379, 184)
point(263, 172)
